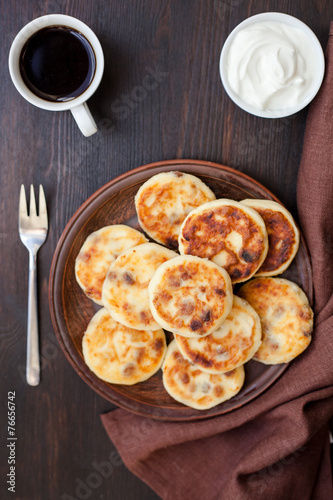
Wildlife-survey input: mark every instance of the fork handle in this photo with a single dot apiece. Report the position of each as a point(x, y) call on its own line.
point(32, 370)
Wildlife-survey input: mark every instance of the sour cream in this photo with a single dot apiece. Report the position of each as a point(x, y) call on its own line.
point(272, 66)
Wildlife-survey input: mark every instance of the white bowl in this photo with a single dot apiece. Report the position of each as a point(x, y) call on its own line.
point(291, 21)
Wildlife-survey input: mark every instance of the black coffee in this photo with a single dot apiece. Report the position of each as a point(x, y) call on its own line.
point(57, 63)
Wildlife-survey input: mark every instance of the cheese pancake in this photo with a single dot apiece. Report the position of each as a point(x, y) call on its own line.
point(283, 236)
point(163, 202)
point(125, 289)
point(98, 251)
point(190, 296)
point(286, 318)
point(121, 355)
point(234, 343)
point(192, 387)
point(229, 233)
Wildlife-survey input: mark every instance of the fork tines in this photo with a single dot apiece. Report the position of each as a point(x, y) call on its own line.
point(42, 211)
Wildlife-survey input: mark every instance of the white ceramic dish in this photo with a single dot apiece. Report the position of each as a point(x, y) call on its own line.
point(293, 22)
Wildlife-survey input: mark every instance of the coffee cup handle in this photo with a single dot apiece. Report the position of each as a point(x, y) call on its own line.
point(84, 119)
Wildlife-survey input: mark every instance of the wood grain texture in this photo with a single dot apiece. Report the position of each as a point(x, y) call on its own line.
point(160, 98)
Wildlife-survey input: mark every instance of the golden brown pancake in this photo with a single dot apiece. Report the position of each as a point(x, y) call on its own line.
point(125, 289)
point(192, 387)
point(121, 355)
point(283, 236)
point(98, 251)
point(286, 318)
point(163, 202)
point(234, 343)
point(190, 296)
point(229, 233)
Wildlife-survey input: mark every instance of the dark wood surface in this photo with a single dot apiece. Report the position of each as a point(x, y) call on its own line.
point(184, 113)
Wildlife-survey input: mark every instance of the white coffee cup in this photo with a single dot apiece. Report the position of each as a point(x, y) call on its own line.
point(77, 105)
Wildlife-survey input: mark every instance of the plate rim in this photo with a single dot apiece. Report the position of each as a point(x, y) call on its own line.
point(52, 283)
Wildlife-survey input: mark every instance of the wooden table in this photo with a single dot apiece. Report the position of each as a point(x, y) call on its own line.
point(185, 114)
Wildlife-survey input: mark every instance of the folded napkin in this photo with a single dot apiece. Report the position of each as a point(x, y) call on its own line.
point(277, 446)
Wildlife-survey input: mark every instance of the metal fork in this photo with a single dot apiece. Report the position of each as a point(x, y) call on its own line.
point(33, 232)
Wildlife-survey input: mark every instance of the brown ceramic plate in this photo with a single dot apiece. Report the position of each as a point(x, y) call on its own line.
point(71, 310)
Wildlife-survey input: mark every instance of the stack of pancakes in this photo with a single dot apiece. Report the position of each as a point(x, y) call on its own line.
point(147, 287)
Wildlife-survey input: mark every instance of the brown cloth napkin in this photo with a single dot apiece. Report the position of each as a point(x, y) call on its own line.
point(277, 446)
